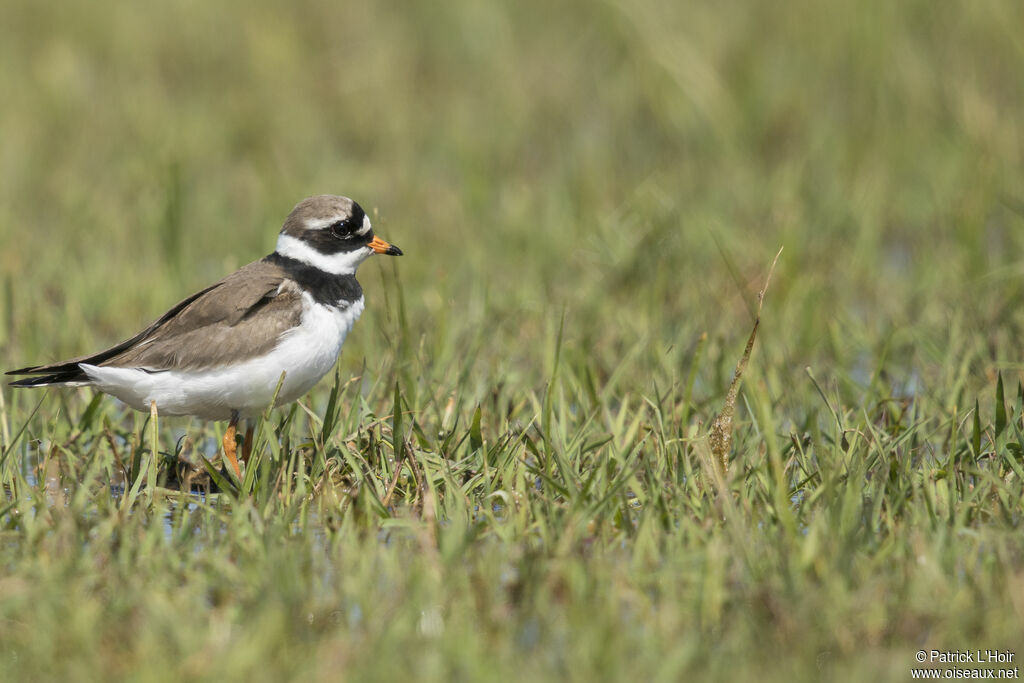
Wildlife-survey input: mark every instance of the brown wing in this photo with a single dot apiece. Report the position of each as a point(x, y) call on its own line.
point(241, 316)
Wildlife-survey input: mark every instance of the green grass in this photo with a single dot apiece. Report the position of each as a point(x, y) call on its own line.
point(509, 477)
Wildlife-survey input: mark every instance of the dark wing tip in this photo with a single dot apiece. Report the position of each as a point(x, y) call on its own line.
point(23, 371)
point(48, 374)
point(35, 381)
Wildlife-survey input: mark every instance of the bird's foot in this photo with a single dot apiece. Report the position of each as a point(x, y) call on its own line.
point(230, 447)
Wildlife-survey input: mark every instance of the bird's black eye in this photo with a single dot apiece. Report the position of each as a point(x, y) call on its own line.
point(342, 230)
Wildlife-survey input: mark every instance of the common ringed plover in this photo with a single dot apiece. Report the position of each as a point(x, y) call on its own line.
point(220, 353)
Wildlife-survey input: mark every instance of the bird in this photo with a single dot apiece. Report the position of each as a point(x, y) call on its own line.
point(220, 353)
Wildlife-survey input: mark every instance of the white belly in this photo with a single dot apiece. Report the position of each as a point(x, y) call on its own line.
point(305, 354)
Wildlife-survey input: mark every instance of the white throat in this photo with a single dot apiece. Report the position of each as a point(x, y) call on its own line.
point(343, 263)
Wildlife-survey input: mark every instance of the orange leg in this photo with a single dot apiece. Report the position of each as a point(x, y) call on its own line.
point(230, 446)
point(247, 444)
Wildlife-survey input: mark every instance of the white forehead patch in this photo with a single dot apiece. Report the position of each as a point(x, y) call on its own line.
point(366, 226)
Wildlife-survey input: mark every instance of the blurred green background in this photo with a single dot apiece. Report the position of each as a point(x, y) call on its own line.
point(634, 165)
point(628, 167)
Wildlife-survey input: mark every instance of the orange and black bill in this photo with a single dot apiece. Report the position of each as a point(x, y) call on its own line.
point(381, 247)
